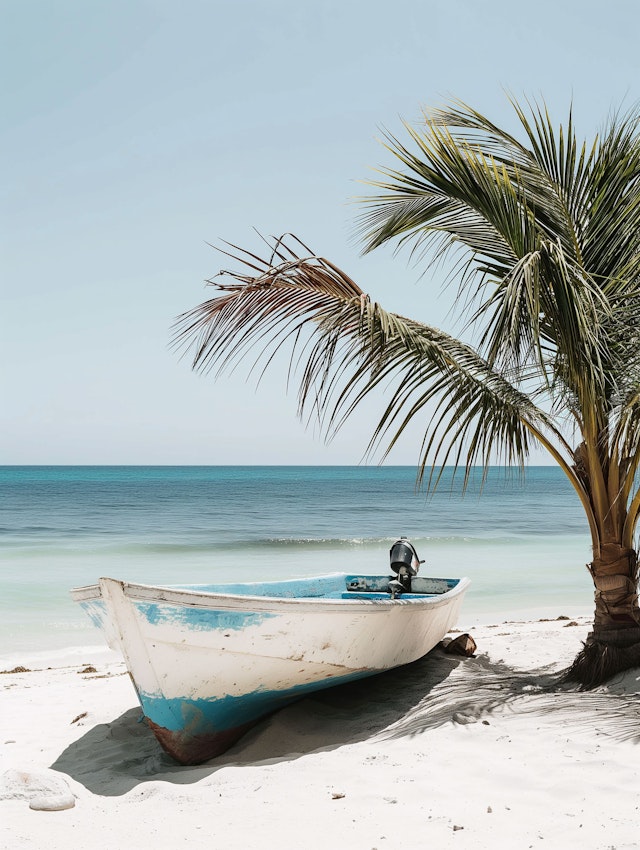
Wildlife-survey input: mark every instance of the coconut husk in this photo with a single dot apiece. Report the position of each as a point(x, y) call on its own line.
point(461, 645)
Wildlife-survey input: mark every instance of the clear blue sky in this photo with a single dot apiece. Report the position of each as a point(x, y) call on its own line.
point(133, 132)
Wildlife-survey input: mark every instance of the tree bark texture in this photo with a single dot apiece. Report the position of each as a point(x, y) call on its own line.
point(615, 577)
point(614, 644)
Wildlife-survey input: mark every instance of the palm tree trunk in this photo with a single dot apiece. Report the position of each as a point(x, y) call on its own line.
point(615, 577)
point(614, 643)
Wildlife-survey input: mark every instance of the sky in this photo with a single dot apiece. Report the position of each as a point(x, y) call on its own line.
point(137, 134)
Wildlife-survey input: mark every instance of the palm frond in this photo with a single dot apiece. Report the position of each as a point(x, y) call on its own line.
point(347, 346)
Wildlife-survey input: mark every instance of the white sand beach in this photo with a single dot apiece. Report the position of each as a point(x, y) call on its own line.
point(447, 752)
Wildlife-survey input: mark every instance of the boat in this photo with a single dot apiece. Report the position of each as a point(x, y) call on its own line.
point(209, 661)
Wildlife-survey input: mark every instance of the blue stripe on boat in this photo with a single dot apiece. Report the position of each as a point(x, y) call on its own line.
point(200, 619)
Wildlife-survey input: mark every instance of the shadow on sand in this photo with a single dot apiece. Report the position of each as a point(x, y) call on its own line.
point(112, 759)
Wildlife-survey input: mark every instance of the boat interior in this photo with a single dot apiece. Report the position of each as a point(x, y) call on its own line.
point(337, 586)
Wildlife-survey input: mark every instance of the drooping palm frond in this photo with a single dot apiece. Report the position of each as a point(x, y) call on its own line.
point(346, 345)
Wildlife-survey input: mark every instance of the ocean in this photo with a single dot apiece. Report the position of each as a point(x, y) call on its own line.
point(524, 542)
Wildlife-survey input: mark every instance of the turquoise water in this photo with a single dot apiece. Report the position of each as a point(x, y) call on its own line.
point(524, 543)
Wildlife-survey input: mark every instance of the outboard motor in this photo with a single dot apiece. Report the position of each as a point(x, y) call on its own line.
point(404, 563)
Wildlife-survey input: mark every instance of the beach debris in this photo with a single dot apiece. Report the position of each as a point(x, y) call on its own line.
point(570, 623)
point(456, 827)
point(464, 645)
point(88, 669)
point(79, 717)
point(18, 669)
point(337, 795)
point(463, 718)
point(46, 792)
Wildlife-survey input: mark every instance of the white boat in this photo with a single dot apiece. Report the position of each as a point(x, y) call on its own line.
point(208, 661)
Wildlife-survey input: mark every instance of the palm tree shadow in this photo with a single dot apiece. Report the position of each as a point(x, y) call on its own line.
point(113, 758)
point(476, 691)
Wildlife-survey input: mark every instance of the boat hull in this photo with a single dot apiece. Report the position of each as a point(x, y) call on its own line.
point(207, 665)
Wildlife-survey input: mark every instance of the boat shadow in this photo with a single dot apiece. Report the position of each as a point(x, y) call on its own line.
point(111, 759)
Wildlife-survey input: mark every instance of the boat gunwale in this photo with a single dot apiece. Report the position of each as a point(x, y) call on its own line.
point(203, 599)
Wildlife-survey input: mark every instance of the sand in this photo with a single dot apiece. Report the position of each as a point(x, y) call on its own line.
point(448, 752)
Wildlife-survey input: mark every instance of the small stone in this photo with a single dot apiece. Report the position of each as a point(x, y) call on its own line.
point(456, 827)
point(46, 791)
point(52, 802)
point(489, 810)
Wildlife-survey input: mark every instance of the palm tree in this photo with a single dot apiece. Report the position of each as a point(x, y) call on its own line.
point(549, 233)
